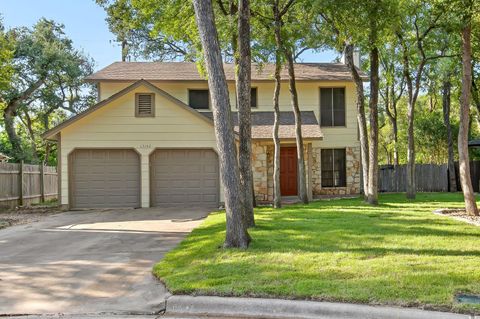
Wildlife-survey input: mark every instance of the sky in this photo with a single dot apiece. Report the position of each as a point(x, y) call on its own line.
point(85, 24)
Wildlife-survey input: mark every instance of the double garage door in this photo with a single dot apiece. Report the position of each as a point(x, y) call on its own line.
point(111, 178)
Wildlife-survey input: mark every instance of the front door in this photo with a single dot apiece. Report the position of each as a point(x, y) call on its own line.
point(288, 171)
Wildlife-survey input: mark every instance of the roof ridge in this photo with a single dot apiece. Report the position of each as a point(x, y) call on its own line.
point(187, 71)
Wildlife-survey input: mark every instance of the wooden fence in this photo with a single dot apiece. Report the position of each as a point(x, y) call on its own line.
point(474, 175)
point(24, 184)
point(429, 177)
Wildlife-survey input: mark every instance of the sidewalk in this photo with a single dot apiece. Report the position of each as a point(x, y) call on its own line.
point(286, 309)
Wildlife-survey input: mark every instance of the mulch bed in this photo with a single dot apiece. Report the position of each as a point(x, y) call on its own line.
point(26, 215)
point(459, 214)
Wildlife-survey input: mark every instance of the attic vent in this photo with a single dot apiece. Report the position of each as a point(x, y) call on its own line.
point(144, 104)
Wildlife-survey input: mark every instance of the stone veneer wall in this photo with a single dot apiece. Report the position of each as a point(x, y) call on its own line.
point(262, 166)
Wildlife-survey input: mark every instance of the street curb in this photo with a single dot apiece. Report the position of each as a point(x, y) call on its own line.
point(277, 308)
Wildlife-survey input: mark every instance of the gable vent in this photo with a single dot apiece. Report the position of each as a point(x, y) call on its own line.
point(144, 105)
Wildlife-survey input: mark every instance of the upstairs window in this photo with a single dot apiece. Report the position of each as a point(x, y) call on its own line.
point(144, 105)
point(253, 97)
point(334, 168)
point(199, 99)
point(332, 106)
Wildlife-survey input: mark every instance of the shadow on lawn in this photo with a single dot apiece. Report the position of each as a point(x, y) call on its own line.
point(349, 226)
point(352, 226)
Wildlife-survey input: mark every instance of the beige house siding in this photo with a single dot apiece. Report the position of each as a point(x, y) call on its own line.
point(115, 126)
point(309, 100)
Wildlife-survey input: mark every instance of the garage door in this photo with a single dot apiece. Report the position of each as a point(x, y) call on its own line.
point(104, 178)
point(184, 177)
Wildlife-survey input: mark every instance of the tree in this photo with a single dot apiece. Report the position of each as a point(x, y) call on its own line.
point(137, 35)
point(446, 106)
point(44, 59)
point(6, 58)
point(236, 234)
point(393, 88)
point(277, 18)
point(367, 26)
point(464, 164)
point(417, 31)
point(440, 79)
point(286, 37)
point(243, 87)
point(372, 193)
point(342, 24)
point(236, 31)
point(476, 60)
point(267, 19)
point(168, 31)
point(361, 118)
point(302, 179)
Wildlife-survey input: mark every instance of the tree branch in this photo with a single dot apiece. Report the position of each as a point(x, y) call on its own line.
point(286, 8)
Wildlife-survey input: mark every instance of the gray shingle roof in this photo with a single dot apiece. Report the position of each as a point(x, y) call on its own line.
point(262, 125)
point(187, 71)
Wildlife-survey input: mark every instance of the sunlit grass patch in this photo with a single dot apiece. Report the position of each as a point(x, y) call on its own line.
point(344, 250)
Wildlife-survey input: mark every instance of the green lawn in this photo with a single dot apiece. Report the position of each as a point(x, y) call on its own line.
point(398, 253)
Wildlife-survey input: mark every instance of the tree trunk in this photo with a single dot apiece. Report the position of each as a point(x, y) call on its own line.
point(9, 114)
point(446, 92)
point(124, 50)
point(236, 232)
point(47, 153)
point(243, 89)
point(277, 196)
point(463, 158)
point(14, 139)
point(31, 134)
point(302, 179)
point(411, 183)
point(395, 142)
point(392, 116)
point(361, 118)
point(372, 194)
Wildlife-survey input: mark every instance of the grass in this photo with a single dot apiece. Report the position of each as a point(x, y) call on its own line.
point(398, 253)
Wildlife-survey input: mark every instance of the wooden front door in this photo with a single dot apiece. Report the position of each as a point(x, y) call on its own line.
point(288, 171)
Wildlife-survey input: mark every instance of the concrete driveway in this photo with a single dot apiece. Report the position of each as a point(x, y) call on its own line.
point(90, 261)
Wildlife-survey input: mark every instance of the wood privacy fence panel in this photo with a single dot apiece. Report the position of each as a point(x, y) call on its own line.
point(474, 176)
point(429, 178)
point(24, 184)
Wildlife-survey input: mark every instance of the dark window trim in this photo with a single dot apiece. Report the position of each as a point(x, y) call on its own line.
point(256, 97)
point(152, 113)
point(333, 167)
point(209, 101)
point(320, 105)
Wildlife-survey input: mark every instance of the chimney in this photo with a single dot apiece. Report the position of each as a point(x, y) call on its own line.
point(356, 58)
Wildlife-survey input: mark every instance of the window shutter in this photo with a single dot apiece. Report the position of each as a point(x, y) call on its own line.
point(145, 105)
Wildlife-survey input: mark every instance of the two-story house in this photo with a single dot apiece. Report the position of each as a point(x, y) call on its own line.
point(150, 139)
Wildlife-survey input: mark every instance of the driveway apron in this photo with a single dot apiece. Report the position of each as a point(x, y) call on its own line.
point(90, 261)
